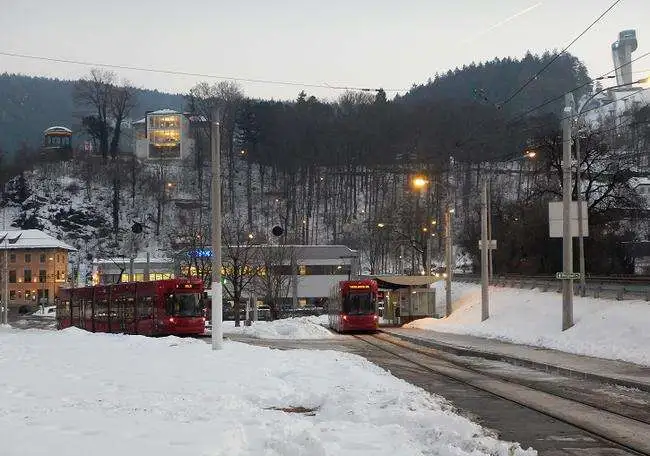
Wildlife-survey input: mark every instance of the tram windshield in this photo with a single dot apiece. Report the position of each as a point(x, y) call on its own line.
point(183, 305)
point(359, 304)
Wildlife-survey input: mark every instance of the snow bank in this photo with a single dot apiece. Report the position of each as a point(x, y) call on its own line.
point(70, 391)
point(286, 328)
point(603, 328)
point(45, 312)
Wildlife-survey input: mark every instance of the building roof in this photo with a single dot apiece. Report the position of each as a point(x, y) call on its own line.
point(30, 239)
point(58, 130)
point(125, 260)
point(401, 281)
point(164, 111)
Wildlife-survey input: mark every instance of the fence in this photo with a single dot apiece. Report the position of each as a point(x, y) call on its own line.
point(619, 288)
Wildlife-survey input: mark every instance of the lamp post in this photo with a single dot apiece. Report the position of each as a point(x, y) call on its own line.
point(581, 241)
point(449, 244)
point(419, 183)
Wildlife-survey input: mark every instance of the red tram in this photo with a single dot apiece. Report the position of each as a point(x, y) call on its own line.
point(353, 306)
point(157, 308)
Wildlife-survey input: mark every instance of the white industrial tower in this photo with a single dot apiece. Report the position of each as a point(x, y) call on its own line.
point(622, 54)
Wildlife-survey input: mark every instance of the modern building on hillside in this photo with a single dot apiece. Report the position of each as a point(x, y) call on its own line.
point(163, 134)
point(36, 266)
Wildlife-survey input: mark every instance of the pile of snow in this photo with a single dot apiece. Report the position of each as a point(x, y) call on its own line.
point(46, 311)
point(122, 394)
point(603, 328)
point(286, 328)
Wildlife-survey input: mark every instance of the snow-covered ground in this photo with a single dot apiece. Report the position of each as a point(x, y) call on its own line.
point(603, 328)
point(286, 328)
point(70, 392)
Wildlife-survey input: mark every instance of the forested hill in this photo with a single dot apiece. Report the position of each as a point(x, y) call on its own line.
point(457, 113)
point(493, 82)
point(29, 105)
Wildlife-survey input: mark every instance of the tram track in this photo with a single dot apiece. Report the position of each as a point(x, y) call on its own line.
point(614, 427)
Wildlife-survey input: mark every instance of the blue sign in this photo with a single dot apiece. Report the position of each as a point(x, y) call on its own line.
point(200, 253)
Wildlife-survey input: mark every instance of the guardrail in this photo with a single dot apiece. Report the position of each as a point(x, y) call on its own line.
point(617, 287)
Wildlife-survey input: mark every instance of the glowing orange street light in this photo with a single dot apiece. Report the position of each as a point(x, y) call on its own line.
point(419, 182)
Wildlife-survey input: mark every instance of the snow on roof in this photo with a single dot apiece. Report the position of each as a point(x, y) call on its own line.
point(138, 259)
point(164, 111)
point(57, 129)
point(138, 122)
point(30, 239)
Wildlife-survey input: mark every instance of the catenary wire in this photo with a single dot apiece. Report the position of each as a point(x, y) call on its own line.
point(188, 73)
point(557, 56)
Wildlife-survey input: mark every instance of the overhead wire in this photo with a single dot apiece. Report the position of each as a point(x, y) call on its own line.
point(192, 74)
point(557, 56)
point(558, 97)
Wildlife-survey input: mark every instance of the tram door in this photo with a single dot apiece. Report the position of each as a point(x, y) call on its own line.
point(81, 303)
point(75, 312)
point(120, 311)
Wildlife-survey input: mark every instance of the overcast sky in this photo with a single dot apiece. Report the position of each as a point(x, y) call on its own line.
point(357, 43)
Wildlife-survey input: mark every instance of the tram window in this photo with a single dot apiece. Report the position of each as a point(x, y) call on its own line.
point(101, 309)
point(63, 309)
point(144, 307)
point(129, 309)
point(358, 303)
point(88, 308)
point(183, 304)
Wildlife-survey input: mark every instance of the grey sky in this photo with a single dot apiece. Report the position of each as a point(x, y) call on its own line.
point(361, 43)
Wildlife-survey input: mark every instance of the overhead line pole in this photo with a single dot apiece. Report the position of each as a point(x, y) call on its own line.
point(485, 277)
point(216, 286)
point(567, 241)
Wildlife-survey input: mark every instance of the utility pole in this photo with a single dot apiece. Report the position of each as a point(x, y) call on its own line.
point(448, 252)
point(581, 237)
point(567, 244)
point(216, 287)
point(4, 312)
point(485, 248)
point(489, 232)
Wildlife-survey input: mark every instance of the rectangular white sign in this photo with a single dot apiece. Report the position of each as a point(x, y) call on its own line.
point(555, 219)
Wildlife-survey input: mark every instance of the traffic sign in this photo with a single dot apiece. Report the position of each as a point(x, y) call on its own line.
point(567, 276)
point(492, 245)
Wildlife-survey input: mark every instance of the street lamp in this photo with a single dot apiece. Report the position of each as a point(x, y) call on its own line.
point(419, 182)
point(581, 241)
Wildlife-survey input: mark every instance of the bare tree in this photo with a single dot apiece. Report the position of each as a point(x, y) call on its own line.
point(226, 98)
point(189, 241)
point(274, 276)
point(240, 260)
point(109, 105)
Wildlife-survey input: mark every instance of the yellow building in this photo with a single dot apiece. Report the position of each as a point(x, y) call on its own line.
point(33, 266)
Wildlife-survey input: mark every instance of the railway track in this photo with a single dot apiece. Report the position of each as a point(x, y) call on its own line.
point(627, 431)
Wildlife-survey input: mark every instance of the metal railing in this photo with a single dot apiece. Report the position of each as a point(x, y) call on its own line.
point(610, 287)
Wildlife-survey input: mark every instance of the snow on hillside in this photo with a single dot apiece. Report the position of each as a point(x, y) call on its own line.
point(130, 395)
point(603, 328)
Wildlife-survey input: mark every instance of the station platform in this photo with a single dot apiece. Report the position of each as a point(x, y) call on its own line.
point(568, 364)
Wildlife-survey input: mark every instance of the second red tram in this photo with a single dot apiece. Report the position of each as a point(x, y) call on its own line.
point(353, 306)
point(157, 308)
